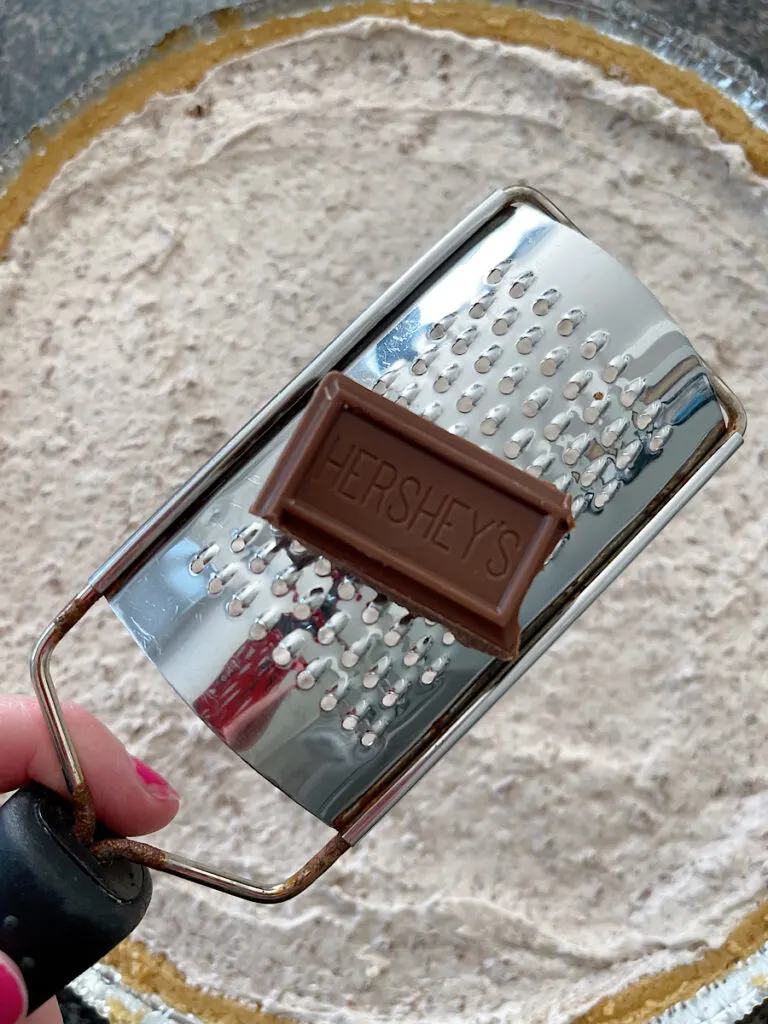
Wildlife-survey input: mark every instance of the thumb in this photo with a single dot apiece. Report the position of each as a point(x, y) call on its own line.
point(130, 797)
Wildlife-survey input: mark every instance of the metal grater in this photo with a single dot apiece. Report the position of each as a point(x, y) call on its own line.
point(519, 334)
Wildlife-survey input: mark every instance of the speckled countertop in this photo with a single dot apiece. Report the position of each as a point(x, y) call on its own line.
point(740, 26)
point(49, 48)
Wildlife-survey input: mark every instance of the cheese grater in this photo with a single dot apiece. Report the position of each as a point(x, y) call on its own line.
point(516, 333)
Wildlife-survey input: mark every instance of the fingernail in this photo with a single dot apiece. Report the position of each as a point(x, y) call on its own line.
point(154, 782)
point(12, 1000)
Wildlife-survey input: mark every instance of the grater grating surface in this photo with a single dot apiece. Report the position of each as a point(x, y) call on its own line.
point(521, 335)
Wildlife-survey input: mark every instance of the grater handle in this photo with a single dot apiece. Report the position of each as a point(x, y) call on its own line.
point(61, 910)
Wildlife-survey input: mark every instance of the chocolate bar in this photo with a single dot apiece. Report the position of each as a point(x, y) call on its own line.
point(428, 518)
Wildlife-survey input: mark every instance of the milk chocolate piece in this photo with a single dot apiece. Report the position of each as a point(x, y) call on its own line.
point(430, 519)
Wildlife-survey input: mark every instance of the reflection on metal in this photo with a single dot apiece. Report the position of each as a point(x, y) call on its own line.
point(727, 1000)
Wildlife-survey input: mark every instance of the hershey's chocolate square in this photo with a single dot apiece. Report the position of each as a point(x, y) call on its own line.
point(426, 517)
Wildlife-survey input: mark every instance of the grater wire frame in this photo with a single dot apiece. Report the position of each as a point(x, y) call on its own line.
point(500, 676)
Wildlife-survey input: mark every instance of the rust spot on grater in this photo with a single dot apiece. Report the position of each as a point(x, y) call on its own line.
point(424, 516)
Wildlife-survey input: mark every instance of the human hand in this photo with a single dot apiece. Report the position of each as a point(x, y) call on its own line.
point(131, 799)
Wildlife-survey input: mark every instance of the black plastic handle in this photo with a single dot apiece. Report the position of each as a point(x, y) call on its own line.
point(61, 910)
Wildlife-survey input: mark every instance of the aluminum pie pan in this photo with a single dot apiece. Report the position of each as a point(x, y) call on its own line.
point(734, 996)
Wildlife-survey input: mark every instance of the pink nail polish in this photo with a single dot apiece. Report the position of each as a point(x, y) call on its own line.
point(12, 1001)
point(154, 782)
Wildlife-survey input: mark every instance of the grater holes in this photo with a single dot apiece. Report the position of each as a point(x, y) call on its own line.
point(309, 603)
point(374, 675)
point(407, 395)
point(439, 330)
point(355, 714)
point(631, 392)
point(493, 420)
point(374, 732)
point(288, 648)
point(417, 652)
point(242, 600)
point(356, 694)
point(446, 377)
point(540, 464)
point(613, 432)
point(595, 410)
point(347, 589)
point(628, 455)
point(264, 624)
point(580, 504)
point(357, 650)
point(503, 323)
point(470, 397)
point(545, 302)
point(511, 379)
point(607, 494)
point(521, 284)
point(614, 368)
point(285, 581)
point(594, 471)
point(388, 378)
point(576, 449)
point(659, 439)
point(424, 360)
point(496, 275)
point(462, 343)
point(432, 412)
point(397, 630)
point(480, 306)
point(536, 401)
point(245, 536)
point(568, 324)
point(220, 578)
point(373, 610)
point(396, 692)
point(556, 550)
point(330, 699)
point(644, 418)
point(528, 340)
point(595, 343)
point(431, 674)
point(558, 425)
point(576, 384)
point(265, 554)
point(330, 631)
point(202, 558)
point(486, 360)
point(553, 360)
point(312, 673)
point(517, 444)
point(323, 567)
point(298, 554)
